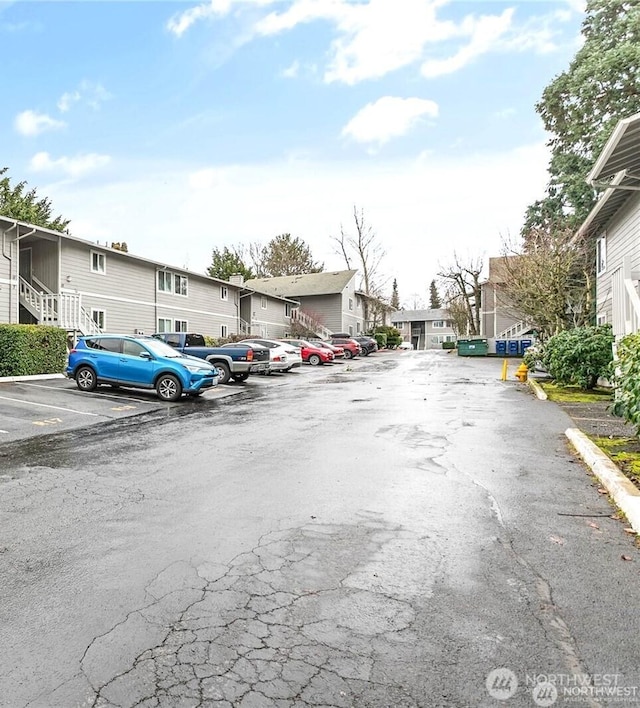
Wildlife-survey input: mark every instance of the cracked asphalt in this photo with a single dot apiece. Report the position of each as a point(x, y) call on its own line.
point(382, 535)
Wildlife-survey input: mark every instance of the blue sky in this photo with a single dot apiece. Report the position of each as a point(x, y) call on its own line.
point(179, 127)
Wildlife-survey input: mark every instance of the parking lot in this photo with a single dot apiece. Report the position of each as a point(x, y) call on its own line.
point(51, 404)
point(47, 405)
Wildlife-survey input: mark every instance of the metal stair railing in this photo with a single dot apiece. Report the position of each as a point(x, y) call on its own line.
point(311, 323)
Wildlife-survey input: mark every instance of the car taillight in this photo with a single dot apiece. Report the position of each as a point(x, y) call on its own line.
point(250, 355)
point(277, 358)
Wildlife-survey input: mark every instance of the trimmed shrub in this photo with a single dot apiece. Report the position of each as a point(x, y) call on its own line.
point(394, 336)
point(448, 345)
point(26, 350)
point(579, 356)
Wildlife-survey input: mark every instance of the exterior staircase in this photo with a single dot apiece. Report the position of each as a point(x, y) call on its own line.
point(310, 323)
point(517, 330)
point(63, 310)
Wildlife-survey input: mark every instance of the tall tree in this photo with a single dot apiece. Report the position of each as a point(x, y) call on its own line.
point(582, 105)
point(363, 251)
point(228, 262)
point(464, 292)
point(550, 283)
point(435, 303)
point(19, 203)
point(284, 255)
point(395, 298)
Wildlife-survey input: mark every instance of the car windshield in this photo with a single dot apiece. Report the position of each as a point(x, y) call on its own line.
point(162, 349)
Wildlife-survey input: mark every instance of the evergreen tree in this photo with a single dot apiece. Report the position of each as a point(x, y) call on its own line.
point(581, 107)
point(434, 298)
point(16, 203)
point(228, 262)
point(285, 255)
point(395, 298)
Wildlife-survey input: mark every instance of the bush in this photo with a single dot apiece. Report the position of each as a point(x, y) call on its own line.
point(26, 350)
point(627, 380)
point(579, 356)
point(381, 339)
point(393, 335)
point(448, 345)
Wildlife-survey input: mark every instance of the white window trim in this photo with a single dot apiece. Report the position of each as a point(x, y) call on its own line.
point(263, 303)
point(224, 292)
point(224, 330)
point(184, 328)
point(170, 276)
point(96, 310)
point(601, 254)
point(101, 257)
point(165, 328)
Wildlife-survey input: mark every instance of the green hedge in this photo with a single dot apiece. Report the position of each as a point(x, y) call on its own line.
point(26, 350)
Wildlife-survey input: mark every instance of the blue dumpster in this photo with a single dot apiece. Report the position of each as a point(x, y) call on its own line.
point(501, 347)
point(513, 348)
point(524, 345)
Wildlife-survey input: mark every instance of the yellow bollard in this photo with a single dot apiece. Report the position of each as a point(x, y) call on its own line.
point(505, 366)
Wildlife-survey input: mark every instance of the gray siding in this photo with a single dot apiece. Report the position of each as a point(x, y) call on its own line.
point(7, 299)
point(44, 263)
point(270, 321)
point(622, 239)
point(327, 309)
point(128, 294)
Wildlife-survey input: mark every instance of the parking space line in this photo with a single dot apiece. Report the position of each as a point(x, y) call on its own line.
point(96, 395)
point(44, 405)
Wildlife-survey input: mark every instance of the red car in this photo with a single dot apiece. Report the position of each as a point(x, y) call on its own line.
point(338, 351)
point(311, 353)
point(350, 346)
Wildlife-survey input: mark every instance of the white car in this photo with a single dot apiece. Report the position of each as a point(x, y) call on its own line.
point(405, 345)
point(283, 357)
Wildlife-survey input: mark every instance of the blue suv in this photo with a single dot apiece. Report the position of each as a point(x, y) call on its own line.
point(138, 362)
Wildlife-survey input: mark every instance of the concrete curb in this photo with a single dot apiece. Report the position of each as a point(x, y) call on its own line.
point(537, 389)
point(34, 377)
point(625, 494)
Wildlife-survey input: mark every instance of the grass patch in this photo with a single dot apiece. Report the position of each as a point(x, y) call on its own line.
point(573, 394)
point(625, 452)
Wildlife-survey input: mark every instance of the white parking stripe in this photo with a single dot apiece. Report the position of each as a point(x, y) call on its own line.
point(44, 405)
point(85, 393)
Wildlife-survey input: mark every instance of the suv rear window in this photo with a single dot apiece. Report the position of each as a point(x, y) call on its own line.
point(111, 344)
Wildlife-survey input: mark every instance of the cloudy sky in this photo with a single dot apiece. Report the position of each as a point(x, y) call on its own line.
point(179, 127)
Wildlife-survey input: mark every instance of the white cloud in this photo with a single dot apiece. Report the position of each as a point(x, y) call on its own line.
point(69, 166)
point(483, 32)
point(373, 38)
point(421, 209)
point(292, 71)
point(30, 123)
point(388, 117)
point(88, 92)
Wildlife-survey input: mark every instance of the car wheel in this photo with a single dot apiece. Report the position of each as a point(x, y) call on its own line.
point(86, 379)
point(224, 373)
point(240, 377)
point(314, 360)
point(348, 354)
point(168, 388)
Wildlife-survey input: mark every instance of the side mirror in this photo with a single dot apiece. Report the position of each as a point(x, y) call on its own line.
point(145, 355)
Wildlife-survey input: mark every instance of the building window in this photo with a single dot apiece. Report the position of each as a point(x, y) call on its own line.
point(601, 254)
point(601, 319)
point(439, 324)
point(224, 331)
point(263, 303)
point(288, 307)
point(180, 282)
point(98, 262)
point(224, 292)
point(165, 281)
point(350, 330)
point(181, 326)
point(357, 327)
point(164, 325)
point(399, 325)
point(99, 317)
point(351, 303)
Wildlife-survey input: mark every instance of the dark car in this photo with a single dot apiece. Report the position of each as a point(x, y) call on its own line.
point(138, 362)
point(367, 344)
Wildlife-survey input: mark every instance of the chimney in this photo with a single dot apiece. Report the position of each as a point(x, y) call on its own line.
point(237, 279)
